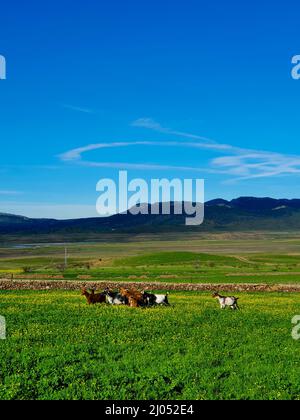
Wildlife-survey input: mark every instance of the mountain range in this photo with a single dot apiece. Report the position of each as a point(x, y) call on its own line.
point(242, 214)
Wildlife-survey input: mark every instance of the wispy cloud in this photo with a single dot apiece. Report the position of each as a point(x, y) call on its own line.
point(236, 162)
point(241, 163)
point(151, 124)
point(9, 192)
point(258, 165)
point(75, 155)
point(78, 109)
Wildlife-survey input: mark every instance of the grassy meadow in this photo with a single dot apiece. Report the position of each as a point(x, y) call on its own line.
point(58, 347)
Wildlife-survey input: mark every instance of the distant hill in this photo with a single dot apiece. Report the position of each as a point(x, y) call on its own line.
point(242, 214)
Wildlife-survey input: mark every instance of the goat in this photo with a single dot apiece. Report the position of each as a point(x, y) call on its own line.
point(133, 303)
point(224, 301)
point(93, 298)
point(152, 300)
point(133, 296)
point(114, 298)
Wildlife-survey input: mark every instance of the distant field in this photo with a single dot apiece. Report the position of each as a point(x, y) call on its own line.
point(60, 348)
point(267, 259)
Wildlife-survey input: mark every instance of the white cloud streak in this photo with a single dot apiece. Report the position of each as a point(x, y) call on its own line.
point(243, 164)
point(150, 124)
point(75, 155)
point(236, 162)
point(78, 109)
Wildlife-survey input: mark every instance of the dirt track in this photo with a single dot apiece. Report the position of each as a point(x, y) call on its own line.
point(76, 285)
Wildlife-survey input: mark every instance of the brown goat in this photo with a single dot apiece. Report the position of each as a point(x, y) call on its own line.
point(93, 298)
point(133, 303)
point(134, 297)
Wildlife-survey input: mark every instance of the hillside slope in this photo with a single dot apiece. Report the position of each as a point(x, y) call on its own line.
point(242, 214)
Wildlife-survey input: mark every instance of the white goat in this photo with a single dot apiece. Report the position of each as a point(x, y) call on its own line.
point(224, 301)
point(153, 300)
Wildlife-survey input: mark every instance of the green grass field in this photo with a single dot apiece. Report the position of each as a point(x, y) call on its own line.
point(59, 348)
point(127, 263)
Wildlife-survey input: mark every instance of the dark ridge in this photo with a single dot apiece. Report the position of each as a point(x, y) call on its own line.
point(241, 214)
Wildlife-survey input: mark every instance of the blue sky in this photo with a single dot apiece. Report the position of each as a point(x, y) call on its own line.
point(161, 88)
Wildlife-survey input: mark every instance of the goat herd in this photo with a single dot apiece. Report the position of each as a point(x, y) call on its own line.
point(129, 297)
point(135, 298)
